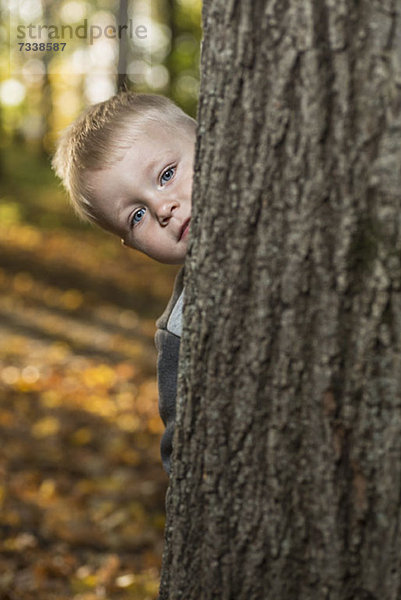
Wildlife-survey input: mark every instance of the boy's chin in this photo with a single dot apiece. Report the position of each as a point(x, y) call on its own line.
point(173, 258)
point(167, 260)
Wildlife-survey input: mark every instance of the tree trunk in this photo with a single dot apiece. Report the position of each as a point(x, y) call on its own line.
point(46, 91)
point(286, 478)
point(122, 21)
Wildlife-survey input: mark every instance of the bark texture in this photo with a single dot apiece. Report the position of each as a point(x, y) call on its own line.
point(286, 480)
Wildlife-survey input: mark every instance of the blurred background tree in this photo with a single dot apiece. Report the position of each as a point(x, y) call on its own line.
point(41, 92)
point(82, 487)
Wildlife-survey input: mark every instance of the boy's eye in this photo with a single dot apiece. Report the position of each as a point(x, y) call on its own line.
point(167, 175)
point(138, 215)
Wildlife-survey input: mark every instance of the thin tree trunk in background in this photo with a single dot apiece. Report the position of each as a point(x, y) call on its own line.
point(170, 11)
point(122, 80)
point(286, 479)
point(1, 146)
point(46, 104)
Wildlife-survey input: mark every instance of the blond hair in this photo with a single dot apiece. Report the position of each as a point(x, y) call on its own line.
point(92, 141)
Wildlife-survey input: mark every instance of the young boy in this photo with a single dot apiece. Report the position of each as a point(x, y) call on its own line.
point(127, 165)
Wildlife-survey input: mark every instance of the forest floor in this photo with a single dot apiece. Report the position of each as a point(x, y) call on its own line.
point(81, 483)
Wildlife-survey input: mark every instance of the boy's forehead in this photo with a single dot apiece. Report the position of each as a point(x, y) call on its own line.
point(153, 141)
point(157, 127)
point(131, 140)
point(145, 126)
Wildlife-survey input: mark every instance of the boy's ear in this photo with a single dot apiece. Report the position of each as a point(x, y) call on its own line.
point(123, 242)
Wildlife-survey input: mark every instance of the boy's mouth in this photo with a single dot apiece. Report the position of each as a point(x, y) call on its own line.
point(184, 229)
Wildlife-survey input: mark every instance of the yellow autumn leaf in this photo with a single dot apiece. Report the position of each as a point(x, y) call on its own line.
point(47, 489)
point(82, 436)
point(101, 405)
point(72, 299)
point(10, 375)
point(155, 425)
point(22, 282)
point(45, 427)
point(100, 375)
point(129, 422)
point(50, 398)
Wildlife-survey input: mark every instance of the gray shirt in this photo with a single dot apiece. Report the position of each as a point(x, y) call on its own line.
point(167, 339)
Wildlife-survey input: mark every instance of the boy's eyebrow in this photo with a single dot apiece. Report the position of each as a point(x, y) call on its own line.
point(163, 158)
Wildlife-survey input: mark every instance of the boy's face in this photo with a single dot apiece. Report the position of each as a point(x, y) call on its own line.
point(145, 197)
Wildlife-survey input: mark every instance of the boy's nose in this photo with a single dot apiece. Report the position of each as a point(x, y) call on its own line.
point(165, 211)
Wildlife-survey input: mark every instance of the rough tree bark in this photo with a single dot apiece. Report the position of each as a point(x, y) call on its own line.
point(286, 480)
